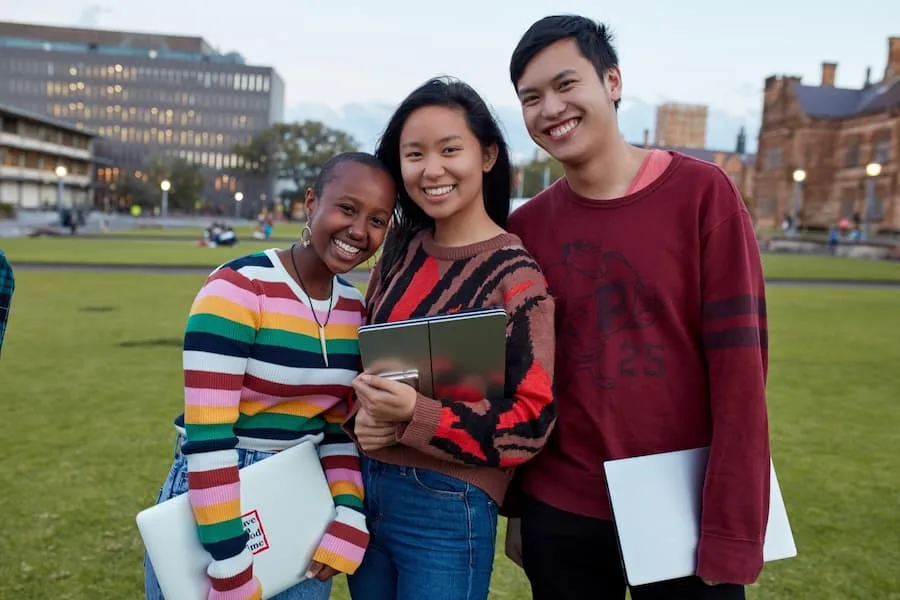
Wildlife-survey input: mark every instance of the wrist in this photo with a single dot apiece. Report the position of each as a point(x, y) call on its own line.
point(412, 398)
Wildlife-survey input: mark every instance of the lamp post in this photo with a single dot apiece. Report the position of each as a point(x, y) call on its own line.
point(237, 204)
point(799, 177)
point(165, 186)
point(61, 173)
point(873, 170)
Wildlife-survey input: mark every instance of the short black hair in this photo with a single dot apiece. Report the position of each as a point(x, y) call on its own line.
point(594, 41)
point(329, 170)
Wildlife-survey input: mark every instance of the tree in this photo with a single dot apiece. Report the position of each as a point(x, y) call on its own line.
point(537, 174)
point(143, 186)
point(293, 151)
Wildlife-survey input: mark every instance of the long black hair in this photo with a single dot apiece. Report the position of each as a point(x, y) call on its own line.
point(409, 219)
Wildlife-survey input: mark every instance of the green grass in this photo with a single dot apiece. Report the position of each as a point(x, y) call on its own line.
point(792, 266)
point(280, 230)
point(185, 252)
point(91, 380)
point(127, 252)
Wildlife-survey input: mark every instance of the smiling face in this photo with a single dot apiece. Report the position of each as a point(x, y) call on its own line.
point(442, 163)
point(348, 222)
point(568, 109)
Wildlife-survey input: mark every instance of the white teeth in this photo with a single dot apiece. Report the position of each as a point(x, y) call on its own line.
point(346, 247)
point(564, 128)
point(439, 191)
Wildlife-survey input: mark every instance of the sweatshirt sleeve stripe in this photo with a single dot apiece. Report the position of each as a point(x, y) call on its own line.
point(735, 340)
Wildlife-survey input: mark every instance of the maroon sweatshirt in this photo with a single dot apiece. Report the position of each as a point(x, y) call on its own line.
point(661, 346)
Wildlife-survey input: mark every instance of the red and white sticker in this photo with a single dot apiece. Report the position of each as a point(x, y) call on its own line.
point(253, 525)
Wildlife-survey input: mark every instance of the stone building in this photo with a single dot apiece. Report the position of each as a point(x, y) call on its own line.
point(831, 134)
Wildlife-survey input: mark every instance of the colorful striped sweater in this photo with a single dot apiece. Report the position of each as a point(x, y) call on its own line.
point(479, 440)
point(255, 377)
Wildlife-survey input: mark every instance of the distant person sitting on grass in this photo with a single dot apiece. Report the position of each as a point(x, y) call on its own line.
point(218, 234)
point(270, 351)
point(7, 287)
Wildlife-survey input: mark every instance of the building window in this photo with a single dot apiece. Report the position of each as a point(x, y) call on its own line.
point(774, 158)
point(882, 152)
point(851, 158)
point(847, 205)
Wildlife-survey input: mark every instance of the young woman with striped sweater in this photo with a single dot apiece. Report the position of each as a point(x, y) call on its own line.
point(270, 351)
point(435, 469)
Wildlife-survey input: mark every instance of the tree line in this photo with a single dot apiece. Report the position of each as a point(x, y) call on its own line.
point(291, 152)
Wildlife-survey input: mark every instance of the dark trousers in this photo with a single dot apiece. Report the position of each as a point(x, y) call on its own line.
point(572, 557)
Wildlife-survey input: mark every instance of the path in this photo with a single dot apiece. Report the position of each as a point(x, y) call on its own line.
point(360, 276)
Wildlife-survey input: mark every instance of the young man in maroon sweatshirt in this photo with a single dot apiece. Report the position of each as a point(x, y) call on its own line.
point(661, 331)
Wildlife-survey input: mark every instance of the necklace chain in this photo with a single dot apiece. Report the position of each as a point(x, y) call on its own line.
point(312, 307)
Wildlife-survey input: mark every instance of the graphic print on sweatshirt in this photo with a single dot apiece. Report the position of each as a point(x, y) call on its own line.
point(601, 322)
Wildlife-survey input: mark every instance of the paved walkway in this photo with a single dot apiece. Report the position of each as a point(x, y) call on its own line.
point(363, 275)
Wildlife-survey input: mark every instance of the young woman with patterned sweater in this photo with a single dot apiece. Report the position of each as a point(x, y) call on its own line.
point(270, 351)
point(435, 469)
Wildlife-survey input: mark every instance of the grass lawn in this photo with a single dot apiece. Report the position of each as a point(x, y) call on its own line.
point(91, 381)
point(127, 252)
point(185, 252)
point(794, 266)
point(244, 232)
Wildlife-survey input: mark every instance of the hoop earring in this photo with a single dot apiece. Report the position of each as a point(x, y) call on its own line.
point(306, 237)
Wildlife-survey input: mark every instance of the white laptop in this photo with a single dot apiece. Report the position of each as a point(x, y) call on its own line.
point(656, 505)
point(286, 505)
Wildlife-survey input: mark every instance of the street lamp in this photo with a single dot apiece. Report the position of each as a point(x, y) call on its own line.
point(61, 172)
point(873, 170)
point(237, 204)
point(165, 186)
point(799, 177)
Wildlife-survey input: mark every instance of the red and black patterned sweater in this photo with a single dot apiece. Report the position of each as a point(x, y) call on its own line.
point(478, 440)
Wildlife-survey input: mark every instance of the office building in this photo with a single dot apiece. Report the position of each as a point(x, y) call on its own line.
point(43, 162)
point(147, 95)
point(680, 125)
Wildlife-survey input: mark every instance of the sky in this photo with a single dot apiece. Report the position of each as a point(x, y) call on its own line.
point(359, 51)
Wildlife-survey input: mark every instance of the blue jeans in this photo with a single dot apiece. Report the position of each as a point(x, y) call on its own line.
point(176, 484)
point(432, 536)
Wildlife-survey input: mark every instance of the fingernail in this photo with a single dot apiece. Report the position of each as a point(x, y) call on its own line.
point(309, 575)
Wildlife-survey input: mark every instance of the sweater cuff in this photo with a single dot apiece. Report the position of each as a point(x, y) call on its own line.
point(232, 578)
point(421, 429)
point(345, 541)
point(727, 560)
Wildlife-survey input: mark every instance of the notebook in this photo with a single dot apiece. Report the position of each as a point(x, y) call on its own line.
point(656, 505)
point(465, 351)
point(286, 505)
